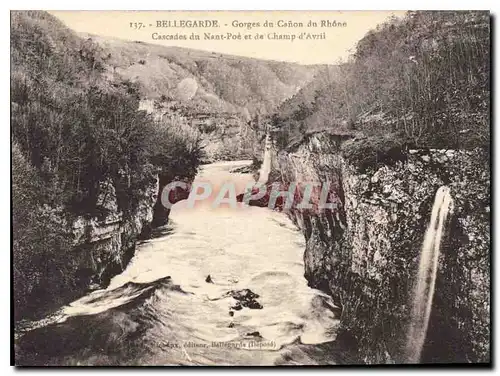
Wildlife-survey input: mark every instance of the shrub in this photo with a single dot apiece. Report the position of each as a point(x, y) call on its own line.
point(373, 151)
point(44, 268)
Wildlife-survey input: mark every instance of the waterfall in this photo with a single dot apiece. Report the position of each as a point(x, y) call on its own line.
point(427, 272)
point(265, 169)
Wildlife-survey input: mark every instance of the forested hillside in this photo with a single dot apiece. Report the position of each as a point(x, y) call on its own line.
point(422, 80)
point(74, 133)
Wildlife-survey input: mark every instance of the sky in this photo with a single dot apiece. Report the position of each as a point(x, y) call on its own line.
point(336, 42)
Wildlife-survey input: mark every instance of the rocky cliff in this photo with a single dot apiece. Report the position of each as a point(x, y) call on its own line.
point(224, 135)
point(366, 253)
point(106, 244)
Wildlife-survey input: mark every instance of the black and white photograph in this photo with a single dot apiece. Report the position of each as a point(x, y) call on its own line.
point(250, 188)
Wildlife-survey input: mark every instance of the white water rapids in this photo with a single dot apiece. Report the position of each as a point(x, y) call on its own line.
point(144, 318)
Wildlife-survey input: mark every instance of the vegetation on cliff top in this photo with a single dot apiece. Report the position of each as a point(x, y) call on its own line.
point(74, 131)
point(421, 81)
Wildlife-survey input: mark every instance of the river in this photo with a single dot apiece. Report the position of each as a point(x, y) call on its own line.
point(162, 311)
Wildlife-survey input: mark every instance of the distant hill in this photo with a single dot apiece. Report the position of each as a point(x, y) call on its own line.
point(200, 79)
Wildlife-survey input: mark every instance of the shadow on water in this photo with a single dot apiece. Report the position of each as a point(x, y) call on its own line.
point(134, 332)
point(329, 353)
point(158, 232)
point(110, 337)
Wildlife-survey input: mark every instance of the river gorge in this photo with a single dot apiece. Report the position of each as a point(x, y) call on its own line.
point(174, 206)
point(161, 310)
point(226, 285)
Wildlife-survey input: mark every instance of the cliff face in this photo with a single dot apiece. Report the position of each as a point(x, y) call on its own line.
point(224, 135)
point(366, 253)
point(105, 245)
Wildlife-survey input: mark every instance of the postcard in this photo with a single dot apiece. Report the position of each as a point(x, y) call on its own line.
point(250, 188)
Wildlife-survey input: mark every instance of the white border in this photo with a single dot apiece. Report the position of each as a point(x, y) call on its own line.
point(182, 5)
point(252, 5)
